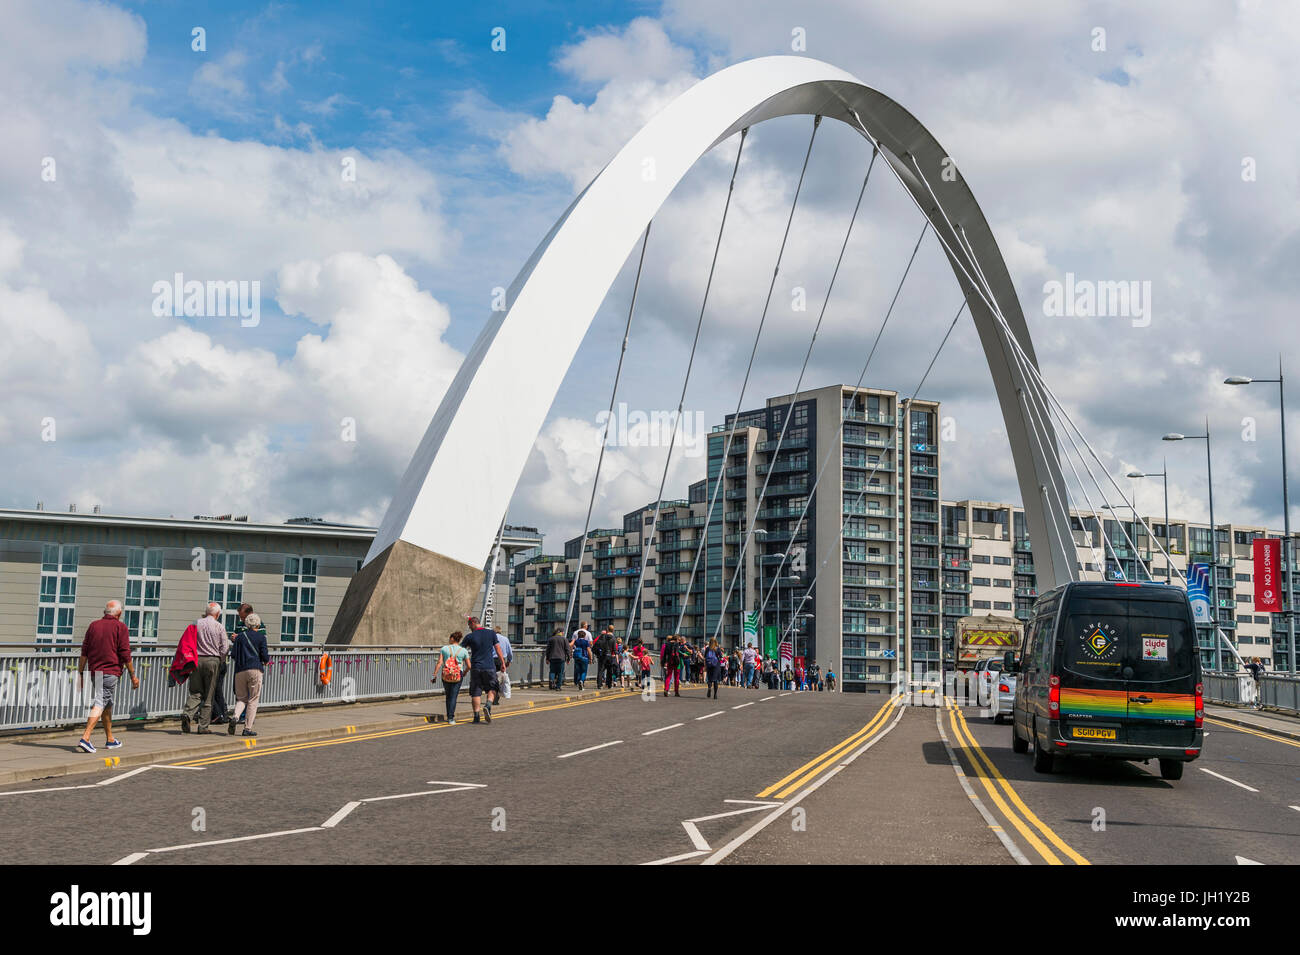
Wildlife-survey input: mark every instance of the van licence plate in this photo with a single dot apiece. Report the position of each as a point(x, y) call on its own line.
point(1091, 732)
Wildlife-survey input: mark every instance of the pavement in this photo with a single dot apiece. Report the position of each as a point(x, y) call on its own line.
point(1267, 720)
point(50, 754)
point(755, 776)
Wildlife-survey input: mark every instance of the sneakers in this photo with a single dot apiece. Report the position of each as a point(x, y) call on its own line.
point(86, 746)
point(451, 722)
point(476, 718)
point(487, 712)
point(249, 733)
point(230, 728)
point(185, 724)
point(113, 744)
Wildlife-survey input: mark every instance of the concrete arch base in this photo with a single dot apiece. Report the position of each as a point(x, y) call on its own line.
point(406, 595)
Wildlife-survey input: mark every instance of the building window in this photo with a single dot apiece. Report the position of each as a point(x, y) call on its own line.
point(56, 604)
point(226, 585)
point(298, 604)
point(143, 593)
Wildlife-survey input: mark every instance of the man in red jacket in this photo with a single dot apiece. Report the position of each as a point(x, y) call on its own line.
point(106, 649)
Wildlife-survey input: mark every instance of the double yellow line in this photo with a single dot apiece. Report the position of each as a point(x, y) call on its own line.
point(383, 734)
point(987, 774)
point(818, 765)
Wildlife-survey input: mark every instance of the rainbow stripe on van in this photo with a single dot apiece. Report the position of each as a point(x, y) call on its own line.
point(1114, 704)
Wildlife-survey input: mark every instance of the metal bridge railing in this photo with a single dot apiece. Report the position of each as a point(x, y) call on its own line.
point(38, 683)
point(1280, 691)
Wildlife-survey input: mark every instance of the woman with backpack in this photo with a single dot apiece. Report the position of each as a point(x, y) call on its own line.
point(670, 658)
point(453, 663)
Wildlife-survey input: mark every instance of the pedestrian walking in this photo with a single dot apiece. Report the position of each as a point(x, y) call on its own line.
point(212, 646)
point(748, 656)
point(484, 652)
point(607, 658)
point(714, 660)
point(830, 679)
point(625, 662)
point(580, 647)
point(669, 658)
point(646, 662)
point(453, 662)
point(249, 656)
point(557, 655)
point(105, 650)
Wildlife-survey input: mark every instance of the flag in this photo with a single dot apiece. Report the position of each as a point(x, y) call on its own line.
point(751, 624)
point(1268, 557)
point(786, 651)
point(1198, 591)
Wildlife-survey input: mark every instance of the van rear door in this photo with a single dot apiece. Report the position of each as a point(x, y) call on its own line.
point(1094, 692)
point(1161, 656)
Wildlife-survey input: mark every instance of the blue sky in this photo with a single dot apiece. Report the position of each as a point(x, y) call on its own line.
point(1120, 163)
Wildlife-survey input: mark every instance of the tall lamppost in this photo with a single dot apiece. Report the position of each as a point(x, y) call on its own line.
point(760, 535)
point(1286, 508)
point(1214, 530)
point(1164, 476)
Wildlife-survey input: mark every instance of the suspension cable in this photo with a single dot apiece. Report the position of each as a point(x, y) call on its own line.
point(798, 385)
point(600, 459)
point(681, 404)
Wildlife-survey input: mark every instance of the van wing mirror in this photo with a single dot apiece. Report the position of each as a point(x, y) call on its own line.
point(1010, 663)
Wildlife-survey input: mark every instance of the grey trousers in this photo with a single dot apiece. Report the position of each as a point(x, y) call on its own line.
point(203, 684)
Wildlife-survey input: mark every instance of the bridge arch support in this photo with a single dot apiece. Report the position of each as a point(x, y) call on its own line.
point(426, 563)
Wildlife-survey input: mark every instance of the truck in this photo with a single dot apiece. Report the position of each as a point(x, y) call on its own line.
point(985, 638)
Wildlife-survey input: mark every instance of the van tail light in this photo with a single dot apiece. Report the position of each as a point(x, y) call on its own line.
point(1200, 704)
point(1054, 698)
point(1003, 688)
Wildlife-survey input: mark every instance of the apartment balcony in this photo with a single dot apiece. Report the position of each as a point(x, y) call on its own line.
point(676, 567)
point(782, 467)
point(553, 598)
point(515, 618)
point(868, 417)
point(738, 493)
point(1026, 591)
point(617, 572)
point(620, 592)
point(1024, 614)
point(868, 630)
point(861, 440)
point(859, 557)
point(922, 448)
point(962, 610)
point(924, 539)
point(956, 588)
point(780, 490)
point(925, 562)
point(925, 632)
point(788, 444)
point(955, 541)
point(1024, 545)
point(863, 654)
point(1024, 568)
point(855, 533)
point(675, 546)
point(1228, 624)
point(549, 577)
point(862, 462)
point(672, 523)
point(925, 492)
point(882, 512)
point(778, 536)
point(778, 513)
point(925, 517)
point(852, 580)
point(737, 470)
point(925, 470)
point(869, 488)
point(616, 552)
point(889, 607)
point(1227, 604)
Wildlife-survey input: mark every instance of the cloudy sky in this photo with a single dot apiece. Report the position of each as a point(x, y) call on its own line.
point(379, 173)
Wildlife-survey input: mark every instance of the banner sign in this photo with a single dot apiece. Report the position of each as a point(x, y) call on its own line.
point(1198, 591)
point(1268, 590)
point(787, 651)
point(771, 638)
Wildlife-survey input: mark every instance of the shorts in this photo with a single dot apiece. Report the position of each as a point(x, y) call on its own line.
point(481, 680)
point(105, 689)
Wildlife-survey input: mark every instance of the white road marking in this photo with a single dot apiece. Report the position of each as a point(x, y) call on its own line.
point(662, 729)
point(786, 694)
point(1296, 808)
point(131, 859)
point(707, 716)
point(1242, 860)
point(221, 842)
point(339, 816)
point(776, 814)
point(701, 844)
point(743, 705)
point(102, 782)
point(121, 776)
point(590, 749)
point(422, 792)
point(766, 698)
point(1227, 779)
point(1007, 842)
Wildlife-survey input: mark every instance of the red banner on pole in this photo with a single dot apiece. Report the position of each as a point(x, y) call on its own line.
point(1268, 587)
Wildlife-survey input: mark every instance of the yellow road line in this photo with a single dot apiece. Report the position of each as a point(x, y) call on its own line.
point(817, 764)
point(1030, 837)
point(1253, 732)
point(1042, 827)
point(384, 734)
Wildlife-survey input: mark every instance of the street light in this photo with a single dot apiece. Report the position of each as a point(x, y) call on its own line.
point(761, 535)
point(1214, 531)
point(1286, 508)
point(1164, 476)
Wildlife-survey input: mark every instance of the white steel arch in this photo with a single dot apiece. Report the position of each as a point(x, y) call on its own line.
point(465, 470)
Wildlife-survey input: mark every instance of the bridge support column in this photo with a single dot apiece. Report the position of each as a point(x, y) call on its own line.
point(406, 595)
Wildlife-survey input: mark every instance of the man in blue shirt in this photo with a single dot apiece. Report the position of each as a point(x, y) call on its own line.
point(484, 652)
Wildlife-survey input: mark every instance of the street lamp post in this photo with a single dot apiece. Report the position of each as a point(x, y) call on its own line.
point(1286, 508)
point(1214, 531)
point(760, 535)
point(1164, 476)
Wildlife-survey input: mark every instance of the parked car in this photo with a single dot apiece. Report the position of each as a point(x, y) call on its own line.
point(998, 686)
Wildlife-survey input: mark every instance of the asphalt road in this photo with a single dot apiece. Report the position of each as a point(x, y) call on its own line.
point(754, 777)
